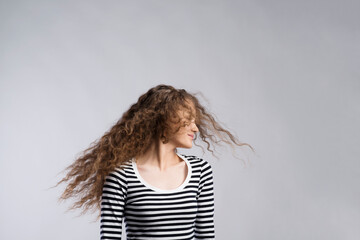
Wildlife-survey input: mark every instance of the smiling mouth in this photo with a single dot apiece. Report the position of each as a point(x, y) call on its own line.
point(192, 136)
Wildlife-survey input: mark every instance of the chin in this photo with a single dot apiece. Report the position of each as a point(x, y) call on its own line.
point(186, 146)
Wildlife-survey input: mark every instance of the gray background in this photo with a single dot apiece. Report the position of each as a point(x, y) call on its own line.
point(282, 75)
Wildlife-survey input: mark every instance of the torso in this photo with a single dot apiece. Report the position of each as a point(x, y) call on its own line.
point(169, 179)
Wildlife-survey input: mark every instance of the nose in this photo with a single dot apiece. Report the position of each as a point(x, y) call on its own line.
point(194, 128)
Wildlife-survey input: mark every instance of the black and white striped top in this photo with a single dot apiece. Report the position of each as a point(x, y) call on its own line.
point(186, 212)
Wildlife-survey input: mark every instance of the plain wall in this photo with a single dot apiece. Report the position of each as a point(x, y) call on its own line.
point(281, 75)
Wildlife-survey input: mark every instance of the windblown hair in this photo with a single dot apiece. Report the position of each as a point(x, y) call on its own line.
point(151, 118)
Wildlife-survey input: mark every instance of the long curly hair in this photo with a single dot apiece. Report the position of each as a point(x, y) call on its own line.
point(150, 119)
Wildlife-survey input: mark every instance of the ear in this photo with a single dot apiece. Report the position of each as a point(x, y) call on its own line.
point(163, 138)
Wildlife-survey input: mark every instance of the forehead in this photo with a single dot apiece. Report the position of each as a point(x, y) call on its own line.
point(191, 105)
point(190, 110)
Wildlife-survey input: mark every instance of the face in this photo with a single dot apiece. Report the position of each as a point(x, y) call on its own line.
point(184, 137)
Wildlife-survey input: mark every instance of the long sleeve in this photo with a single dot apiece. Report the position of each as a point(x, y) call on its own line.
point(204, 224)
point(112, 205)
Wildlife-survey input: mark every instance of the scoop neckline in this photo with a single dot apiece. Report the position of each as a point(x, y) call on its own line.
point(156, 189)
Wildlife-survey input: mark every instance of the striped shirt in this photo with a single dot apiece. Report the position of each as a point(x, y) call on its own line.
point(186, 212)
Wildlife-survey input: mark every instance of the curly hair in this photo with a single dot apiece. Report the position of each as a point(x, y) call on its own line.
point(152, 117)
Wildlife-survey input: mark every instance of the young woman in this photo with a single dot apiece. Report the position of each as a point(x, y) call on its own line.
point(134, 172)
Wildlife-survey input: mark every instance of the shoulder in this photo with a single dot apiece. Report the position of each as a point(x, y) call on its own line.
point(119, 174)
point(198, 161)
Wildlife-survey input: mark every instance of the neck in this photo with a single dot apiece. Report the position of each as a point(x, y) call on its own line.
point(159, 155)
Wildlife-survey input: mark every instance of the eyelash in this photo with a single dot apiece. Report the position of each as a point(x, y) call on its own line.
point(187, 123)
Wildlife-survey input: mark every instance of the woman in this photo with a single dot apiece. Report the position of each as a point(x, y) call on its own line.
point(135, 173)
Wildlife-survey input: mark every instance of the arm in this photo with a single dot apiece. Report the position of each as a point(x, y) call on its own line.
point(204, 224)
point(112, 205)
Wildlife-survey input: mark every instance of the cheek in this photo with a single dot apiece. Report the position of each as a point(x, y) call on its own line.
point(184, 130)
point(180, 129)
point(181, 133)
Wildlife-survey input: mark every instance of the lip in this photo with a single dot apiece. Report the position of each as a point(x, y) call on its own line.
point(192, 136)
